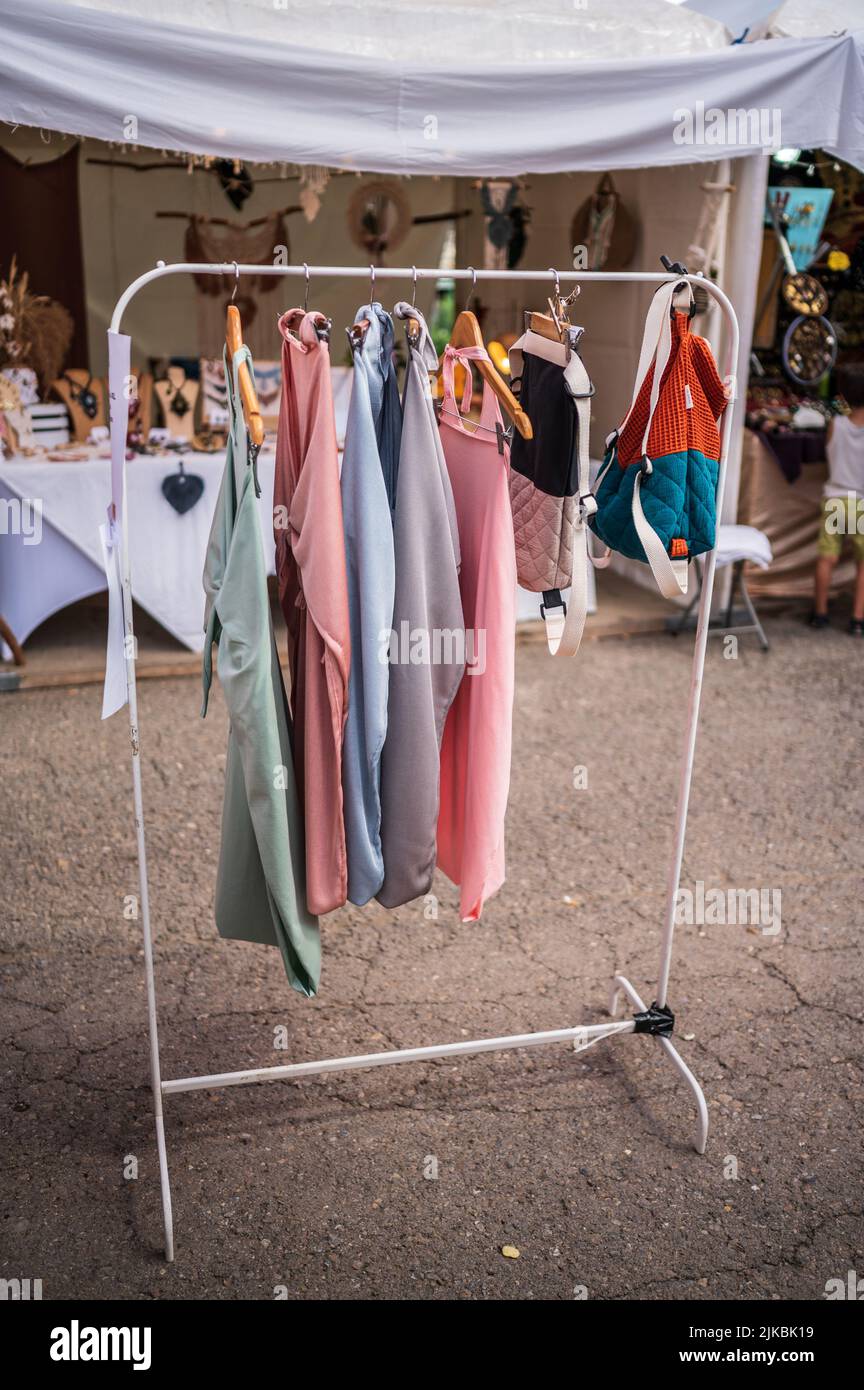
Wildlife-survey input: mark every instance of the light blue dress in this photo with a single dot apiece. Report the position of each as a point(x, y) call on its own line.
point(261, 882)
point(369, 483)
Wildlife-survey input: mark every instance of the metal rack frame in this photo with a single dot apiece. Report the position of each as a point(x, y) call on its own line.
point(656, 1020)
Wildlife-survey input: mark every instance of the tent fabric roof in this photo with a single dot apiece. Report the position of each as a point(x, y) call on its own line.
point(129, 79)
point(532, 31)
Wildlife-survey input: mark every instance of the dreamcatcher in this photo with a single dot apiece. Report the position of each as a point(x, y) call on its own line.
point(379, 218)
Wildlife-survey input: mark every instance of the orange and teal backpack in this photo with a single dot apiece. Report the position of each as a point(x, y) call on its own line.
point(656, 494)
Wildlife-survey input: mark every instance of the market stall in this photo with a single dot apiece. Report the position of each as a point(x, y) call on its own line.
point(809, 316)
point(334, 586)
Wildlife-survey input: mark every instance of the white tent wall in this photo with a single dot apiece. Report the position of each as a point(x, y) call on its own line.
point(123, 237)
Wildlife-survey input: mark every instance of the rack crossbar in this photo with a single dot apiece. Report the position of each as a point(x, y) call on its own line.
point(295, 1070)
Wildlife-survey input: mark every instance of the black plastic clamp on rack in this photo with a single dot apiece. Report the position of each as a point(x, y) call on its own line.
point(676, 268)
point(658, 1021)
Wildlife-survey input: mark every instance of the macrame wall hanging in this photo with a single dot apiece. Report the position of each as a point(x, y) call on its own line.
point(258, 242)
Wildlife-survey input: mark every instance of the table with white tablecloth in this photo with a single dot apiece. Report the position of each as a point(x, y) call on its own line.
point(52, 556)
point(51, 511)
point(50, 553)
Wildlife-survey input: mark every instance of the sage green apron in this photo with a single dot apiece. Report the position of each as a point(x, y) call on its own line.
point(261, 882)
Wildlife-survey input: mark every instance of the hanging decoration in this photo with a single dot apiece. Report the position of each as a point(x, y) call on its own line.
point(703, 251)
point(809, 349)
point(235, 180)
point(182, 490)
point(379, 218)
point(314, 179)
point(215, 240)
point(605, 229)
point(803, 212)
point(506, 224)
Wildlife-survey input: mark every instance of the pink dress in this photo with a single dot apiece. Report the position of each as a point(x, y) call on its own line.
point(313, 591)
point(475, 750)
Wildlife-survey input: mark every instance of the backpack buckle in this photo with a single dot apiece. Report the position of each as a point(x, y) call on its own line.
point(555, 601)
point(587, 505)
point(580, 395)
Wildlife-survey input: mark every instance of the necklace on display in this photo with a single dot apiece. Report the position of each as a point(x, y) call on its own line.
point(177, 404)
point(82, 396)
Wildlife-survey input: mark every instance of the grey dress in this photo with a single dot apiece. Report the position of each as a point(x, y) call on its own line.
point(427, 601)
point(260, 886)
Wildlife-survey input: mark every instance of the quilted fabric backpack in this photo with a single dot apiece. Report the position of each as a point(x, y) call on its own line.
point(656, 495)
point(549, 482)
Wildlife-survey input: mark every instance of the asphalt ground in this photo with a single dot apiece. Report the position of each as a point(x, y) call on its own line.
point(408, 1182)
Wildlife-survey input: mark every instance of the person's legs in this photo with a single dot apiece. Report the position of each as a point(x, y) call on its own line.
point(832, 527)
point(821, 588)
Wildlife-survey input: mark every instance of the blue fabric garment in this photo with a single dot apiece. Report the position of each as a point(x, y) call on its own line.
point(369, 479)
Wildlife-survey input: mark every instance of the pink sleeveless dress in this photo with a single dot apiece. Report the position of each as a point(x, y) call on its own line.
point(475, 749)
point(313, 591)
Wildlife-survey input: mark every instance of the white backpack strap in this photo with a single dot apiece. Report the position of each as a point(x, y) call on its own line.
point(670, 575)
point(565, 627)
point(657, 345)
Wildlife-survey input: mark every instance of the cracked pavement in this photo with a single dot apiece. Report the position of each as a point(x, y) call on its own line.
point(405, 1182)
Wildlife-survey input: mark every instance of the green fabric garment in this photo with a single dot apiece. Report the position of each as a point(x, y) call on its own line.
point(261, 883)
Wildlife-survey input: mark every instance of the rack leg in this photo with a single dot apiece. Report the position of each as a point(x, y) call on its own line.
point(149, 973)
point(621, 985)
point(697, 672)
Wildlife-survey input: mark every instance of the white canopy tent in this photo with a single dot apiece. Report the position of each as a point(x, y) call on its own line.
point(511, 87)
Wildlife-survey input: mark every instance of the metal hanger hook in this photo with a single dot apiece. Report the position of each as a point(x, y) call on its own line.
point(236, 282)
point(306, 290)
point(473, 286)
point(567, 299)
point(413, 287)
point(372, 284)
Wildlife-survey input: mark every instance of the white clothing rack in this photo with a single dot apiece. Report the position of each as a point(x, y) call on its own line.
point(580, 1037)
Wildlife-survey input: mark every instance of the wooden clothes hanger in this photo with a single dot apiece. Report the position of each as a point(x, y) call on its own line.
point(248, 394)
point(555, 326)
point(466, 333)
